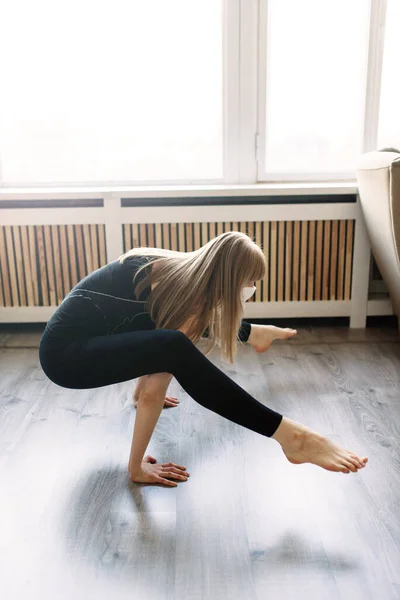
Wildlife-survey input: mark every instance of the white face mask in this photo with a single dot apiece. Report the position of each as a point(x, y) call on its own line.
point(247, 293)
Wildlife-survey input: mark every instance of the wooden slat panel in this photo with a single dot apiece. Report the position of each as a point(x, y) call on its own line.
point(272, 281)
point(95, 246)
point(43, 286)
point(80, 252)
point(303, 256)
point(197, 244)
point(19, 264)
point(334, 257)
point(142, 235)
point(57, 263)
point(33, 263)
point(341, 263)
point(181, 237)
point(11, 265)
point(266, 228)
point(2, 302)
point(4, 267)
point(174, 243)
point(250, 233)
point(164, 236)
point(311, 261)
point(258, 240)
point(349, 254)
point(72, 255)
point(318, 260)
point(42, 264)
point(102, 244)
point(158, 235)
point(303, 260)
point(50, 266)
point(204, 234)
point(281, 258)
point(65, 260)
point(288, 261)
point(296, 260)
point(189, 237)
point(87, 248)
point(326, 260)
point(150, 235)
point(27, 264)
point(135, 235)
point(126, 237)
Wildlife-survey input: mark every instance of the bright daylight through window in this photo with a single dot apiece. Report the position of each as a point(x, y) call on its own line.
point(316, 54)
point(110, 91)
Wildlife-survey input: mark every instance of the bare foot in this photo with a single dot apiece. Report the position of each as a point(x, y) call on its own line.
point(262, 336)
point(301, 445)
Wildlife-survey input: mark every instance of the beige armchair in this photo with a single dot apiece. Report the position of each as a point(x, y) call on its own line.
point(378, 176)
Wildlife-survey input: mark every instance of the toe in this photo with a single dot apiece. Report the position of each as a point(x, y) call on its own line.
point(356, 461)
point(351, 466)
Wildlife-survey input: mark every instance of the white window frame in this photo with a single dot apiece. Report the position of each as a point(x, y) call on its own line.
point(377, 17)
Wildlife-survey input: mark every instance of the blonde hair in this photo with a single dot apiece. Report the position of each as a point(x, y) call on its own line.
point(202, 288)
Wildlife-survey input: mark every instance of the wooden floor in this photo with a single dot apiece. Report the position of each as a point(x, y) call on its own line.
point(246, 525)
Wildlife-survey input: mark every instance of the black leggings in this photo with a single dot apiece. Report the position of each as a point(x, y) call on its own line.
point(108, 359)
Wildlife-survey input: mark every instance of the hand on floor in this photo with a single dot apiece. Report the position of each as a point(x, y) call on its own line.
point(150, 472)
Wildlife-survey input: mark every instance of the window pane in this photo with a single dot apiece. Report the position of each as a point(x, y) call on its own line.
point(315, 89)
point(118, 90)
point(389, 118)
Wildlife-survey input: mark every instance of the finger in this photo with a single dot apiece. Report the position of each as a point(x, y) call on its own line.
point(166, 482)
point(170, 464)
point(179, 471)
point(172, 398)
point(170, 403)
point(174, 475)
point(175, 470)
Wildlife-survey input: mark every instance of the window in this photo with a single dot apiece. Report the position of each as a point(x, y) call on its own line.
point(110, 91)
point(316, 58)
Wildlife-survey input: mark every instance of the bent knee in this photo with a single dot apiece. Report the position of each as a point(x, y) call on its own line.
point(177, 348)
point(174, 339)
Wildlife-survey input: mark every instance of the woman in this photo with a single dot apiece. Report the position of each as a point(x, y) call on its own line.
point(102, 333)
